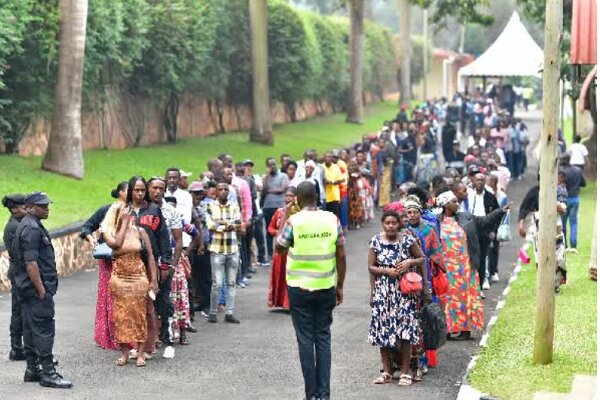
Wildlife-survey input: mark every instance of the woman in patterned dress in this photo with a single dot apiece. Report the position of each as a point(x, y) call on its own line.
point(394, 319)
point(129, 283)
point(460, 244)
point(104, 325)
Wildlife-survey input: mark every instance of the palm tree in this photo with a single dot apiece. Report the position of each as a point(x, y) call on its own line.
point(64, 154)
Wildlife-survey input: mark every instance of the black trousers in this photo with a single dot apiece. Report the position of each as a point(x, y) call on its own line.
point(202, 280)
point(247, 249)
point(484, 244)
point(334, 207)
point(268, 213)
point(493, 256)
point(16, 319)
point(164, 308)
point(258, 232)
point(38, 330)
point(312, 315)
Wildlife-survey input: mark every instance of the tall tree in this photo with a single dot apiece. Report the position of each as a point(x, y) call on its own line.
point(355, 100)
point(65, 154)
point(406, 50)
point(262, 126)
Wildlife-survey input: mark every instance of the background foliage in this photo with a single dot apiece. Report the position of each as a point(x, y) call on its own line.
point(160, 49)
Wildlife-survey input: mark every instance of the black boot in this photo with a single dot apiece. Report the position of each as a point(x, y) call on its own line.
point(51, 378)
point(16, 354)
point(33, 373)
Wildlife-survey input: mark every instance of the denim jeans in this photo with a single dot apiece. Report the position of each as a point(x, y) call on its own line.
point(223, 266)
point(312, 317)
point(571, 215)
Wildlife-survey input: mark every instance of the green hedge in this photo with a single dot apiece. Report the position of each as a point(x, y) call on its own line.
point(162, 49)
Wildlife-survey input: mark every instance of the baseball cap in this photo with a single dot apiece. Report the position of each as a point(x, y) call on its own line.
point(473, 169)
point(12, 200)
point(184, 174)
point(249, 162)
point(37, 198)
point(196, 186)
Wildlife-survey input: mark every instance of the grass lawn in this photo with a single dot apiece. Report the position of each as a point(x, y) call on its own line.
point(504, 368)
point(77, 200)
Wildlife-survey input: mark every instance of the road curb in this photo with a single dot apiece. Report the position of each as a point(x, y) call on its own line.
point(468, 392)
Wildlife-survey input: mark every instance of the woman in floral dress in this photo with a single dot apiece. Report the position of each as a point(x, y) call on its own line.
point(394, 319)
point(460, 244)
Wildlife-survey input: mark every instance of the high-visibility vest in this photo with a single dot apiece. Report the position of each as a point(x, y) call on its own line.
point(311, 262)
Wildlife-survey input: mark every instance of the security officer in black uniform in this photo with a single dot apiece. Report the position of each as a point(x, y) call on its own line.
point(36, 280)
point(15, 204)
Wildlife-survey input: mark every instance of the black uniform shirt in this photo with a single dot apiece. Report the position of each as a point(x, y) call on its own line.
point(9, 234)
point(32, 243)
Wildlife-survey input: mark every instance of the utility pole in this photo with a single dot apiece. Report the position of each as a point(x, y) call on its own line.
point(262, 126)
point(425, 47)
point(405, 46)
point(544, 316)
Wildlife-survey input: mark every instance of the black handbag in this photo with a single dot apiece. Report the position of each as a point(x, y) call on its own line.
point(434, 327)
point(102, 251)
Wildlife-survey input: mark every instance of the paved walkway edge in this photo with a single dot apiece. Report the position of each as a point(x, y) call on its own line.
point(468, 392)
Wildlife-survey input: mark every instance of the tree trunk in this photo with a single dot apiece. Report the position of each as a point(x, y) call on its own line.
point(544, 320)
point(406, 50)
point(171, 112)
point(64, 154)
point(355, 100)
point(262, 126)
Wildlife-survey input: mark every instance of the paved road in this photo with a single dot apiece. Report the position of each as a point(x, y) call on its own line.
point(254, 360)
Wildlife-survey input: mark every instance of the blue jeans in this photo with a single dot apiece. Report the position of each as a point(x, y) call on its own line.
point(312, 315)
point(571, 215)
point(223, 266)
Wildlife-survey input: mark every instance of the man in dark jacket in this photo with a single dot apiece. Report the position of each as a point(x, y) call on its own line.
point(481, 203)
point(574, 182)
point(16, 206)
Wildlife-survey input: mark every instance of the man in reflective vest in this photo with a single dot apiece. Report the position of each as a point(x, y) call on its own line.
point(316, 267)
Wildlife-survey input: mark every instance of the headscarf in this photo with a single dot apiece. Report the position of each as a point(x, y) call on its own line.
point(396, 206)
point(445, 198)
point(413, 202)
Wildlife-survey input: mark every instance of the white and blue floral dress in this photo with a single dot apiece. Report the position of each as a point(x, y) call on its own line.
point(394, 315)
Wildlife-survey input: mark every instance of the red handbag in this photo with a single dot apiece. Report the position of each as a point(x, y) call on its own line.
point(411, 283)
point(440, 283)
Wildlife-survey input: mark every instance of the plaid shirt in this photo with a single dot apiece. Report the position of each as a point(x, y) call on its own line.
point(218, 218)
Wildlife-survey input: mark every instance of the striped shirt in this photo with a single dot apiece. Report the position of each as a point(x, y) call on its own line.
point(223, 220)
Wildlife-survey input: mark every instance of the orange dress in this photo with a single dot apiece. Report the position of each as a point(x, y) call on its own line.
point(278, 295)
point(129, 287)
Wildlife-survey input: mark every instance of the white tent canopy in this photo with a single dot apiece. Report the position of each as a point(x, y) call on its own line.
point(514, 53)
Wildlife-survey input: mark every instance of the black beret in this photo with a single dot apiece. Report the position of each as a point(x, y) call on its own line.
point(12, 200)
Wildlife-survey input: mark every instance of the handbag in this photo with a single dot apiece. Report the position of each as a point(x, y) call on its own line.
point(433, 324)
point(102, 252)
point(411, 283)
point(504, 234)
point(440, 283)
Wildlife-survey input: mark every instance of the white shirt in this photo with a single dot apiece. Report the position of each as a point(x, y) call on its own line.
point(184, 207)
point(578, 154)
point(476, 204)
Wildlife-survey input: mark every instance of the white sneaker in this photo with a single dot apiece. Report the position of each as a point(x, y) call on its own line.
point(169, 352)
point(495, 278)
point(486, 285)
point(132, 354)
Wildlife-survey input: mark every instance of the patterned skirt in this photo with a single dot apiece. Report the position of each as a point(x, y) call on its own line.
point(394, 316)
point(180, 298)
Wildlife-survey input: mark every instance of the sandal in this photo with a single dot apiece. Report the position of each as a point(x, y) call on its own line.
point(141, 362)
point(383, 379)
point(121, 361)
point(418, 377)
point(405, 380)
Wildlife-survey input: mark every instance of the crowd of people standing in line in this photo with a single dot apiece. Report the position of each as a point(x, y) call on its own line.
point(170, 249)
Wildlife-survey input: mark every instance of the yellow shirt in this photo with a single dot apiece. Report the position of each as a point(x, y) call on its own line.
point(332, 173)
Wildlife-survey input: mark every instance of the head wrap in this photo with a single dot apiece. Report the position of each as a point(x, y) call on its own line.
point(396, 206)
point(413, 202)
point(445, 198)
point(310, 163)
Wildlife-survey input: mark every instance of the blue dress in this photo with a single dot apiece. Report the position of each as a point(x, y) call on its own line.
point(394, 315)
